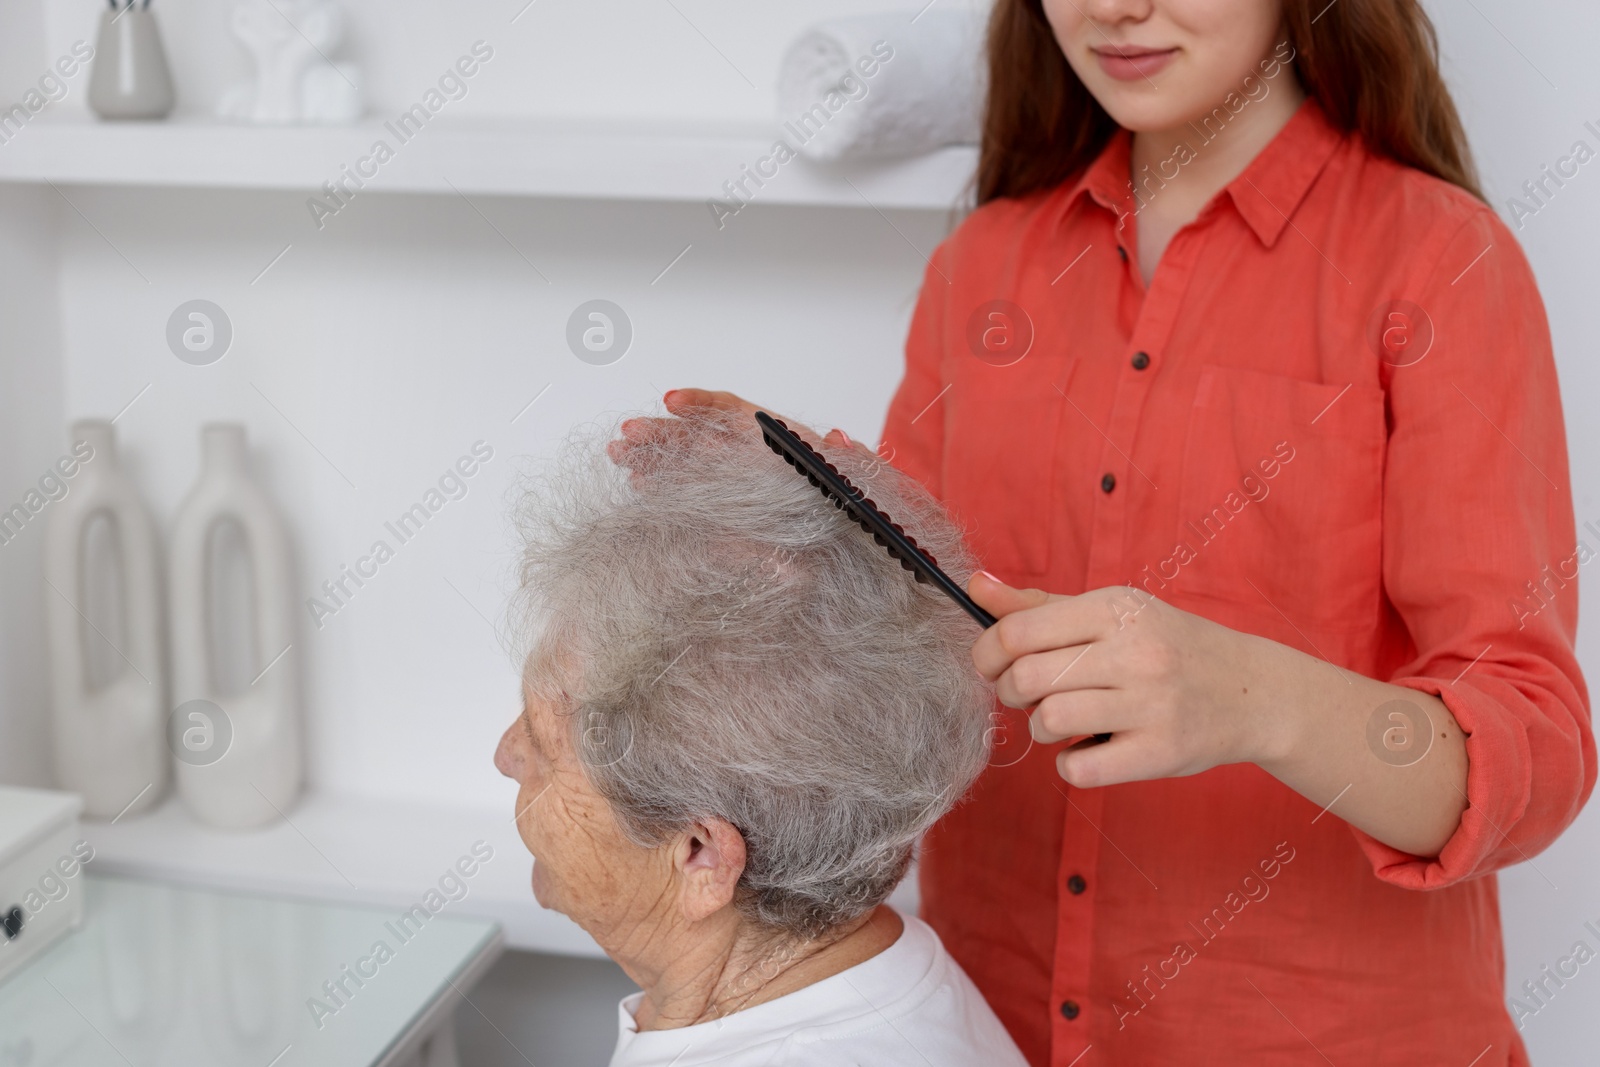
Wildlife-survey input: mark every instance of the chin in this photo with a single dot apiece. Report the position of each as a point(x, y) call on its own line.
point(1142, 107)
point(541, 888)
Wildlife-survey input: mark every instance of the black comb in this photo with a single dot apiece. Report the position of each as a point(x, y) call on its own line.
point(853, 502)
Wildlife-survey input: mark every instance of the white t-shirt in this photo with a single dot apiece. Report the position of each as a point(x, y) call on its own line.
point(910, 1004)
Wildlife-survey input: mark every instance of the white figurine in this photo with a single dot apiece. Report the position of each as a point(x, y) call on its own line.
point(296, 81)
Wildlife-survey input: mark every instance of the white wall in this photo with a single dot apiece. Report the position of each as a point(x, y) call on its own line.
point(381, 349)
point(30, 420)
point(409, 329)
point(30, 416)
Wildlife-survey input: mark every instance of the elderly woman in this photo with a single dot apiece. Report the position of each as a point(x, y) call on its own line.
point(739, 716)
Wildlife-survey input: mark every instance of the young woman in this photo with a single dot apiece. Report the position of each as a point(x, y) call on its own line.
point(1234, 362)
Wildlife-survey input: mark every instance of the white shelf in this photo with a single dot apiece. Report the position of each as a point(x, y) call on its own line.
point(345, 849)
point(546, 159)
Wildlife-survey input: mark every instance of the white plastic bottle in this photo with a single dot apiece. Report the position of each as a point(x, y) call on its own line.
point(239, 757)
point(108, 675)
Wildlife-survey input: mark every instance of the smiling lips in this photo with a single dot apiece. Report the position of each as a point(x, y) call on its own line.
point(1130, 62)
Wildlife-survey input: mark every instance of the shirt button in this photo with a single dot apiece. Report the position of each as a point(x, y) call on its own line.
point(1076, 884)
point(1108, 481)
point(1070, 1009)
point(1141, 360)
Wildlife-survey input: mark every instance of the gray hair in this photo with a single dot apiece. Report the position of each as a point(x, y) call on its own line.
point(739, 649)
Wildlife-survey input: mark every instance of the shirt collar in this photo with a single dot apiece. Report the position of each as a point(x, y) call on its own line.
point(1266, 194)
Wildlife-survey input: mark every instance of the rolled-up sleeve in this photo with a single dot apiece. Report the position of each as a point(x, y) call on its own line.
point(1481, 557)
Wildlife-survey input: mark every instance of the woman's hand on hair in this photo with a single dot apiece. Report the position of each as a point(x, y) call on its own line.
point(1172, 688)
point(639, 434)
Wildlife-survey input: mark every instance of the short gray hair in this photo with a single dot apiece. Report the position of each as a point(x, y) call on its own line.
point(740, 649)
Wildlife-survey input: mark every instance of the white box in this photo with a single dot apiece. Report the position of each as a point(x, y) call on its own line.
point(41, 872)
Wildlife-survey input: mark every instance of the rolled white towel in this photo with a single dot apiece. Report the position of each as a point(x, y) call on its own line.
point(883, 85)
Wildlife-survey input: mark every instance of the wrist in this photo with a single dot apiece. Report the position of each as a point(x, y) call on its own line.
point(1273, 707)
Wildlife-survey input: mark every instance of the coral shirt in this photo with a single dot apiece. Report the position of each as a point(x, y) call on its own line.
point(1331, 420)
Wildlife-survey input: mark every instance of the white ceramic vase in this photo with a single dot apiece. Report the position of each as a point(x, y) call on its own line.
point(110, 731)
point(239, 757)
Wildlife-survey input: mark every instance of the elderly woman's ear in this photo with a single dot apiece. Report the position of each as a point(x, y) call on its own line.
point(708, 859)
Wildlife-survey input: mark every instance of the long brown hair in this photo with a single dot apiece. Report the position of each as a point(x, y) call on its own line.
point(1372, 65)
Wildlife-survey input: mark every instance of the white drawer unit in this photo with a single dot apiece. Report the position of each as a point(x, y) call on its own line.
point(42, 856)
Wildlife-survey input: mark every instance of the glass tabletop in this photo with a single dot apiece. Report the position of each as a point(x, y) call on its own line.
point(167, 975)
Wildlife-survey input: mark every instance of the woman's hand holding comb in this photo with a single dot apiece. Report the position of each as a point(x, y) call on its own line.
point(1178, 693)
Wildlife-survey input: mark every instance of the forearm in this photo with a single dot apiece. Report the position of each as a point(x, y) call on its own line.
point(1356, 746)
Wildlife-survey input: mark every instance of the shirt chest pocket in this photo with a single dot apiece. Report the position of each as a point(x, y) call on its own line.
point(1001, 442)
point(1281, 502)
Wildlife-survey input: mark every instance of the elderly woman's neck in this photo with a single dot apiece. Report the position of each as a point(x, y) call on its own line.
point(725, 964)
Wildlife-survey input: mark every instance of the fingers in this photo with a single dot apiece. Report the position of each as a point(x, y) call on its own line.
point(644, 431)
point(839, 441)
point(1088, 765)
point(1000, 599)
point(639, 440)
point(637, 444)
point(1031, 678)
point(688, 401)
point(1030, 621)
point(679, 401)
point(1080, 713)
point(638, 437)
